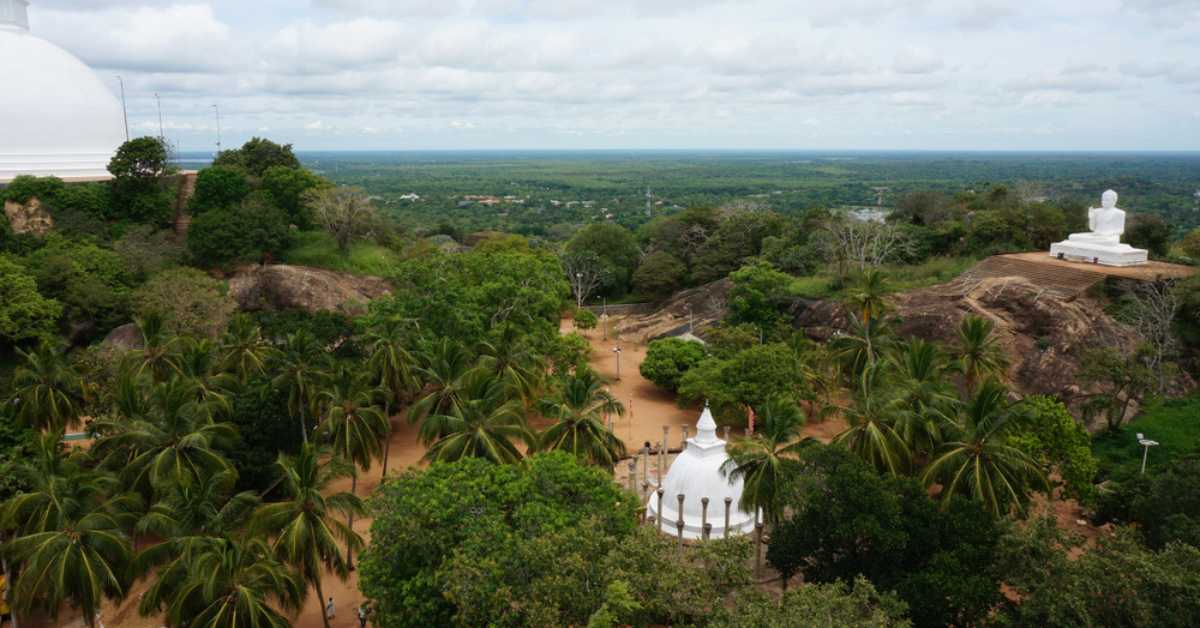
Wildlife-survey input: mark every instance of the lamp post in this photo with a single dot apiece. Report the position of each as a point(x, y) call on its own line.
point(124, 107)
point(1146, 445)
point(617, 352)
point(578, 289)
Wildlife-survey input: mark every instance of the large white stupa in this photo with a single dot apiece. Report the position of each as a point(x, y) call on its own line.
point(56, 116)
point(697, 473)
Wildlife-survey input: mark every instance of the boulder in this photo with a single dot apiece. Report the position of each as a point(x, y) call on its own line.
point(283, 287)
point(28, 218)
point(124, 338)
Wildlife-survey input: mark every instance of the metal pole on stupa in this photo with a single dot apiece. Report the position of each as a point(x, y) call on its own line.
point(728, 504)
point(659, 493)
point(704, 517)
point(679, 522)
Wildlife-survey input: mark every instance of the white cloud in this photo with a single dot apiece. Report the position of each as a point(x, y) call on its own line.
point(652, 73)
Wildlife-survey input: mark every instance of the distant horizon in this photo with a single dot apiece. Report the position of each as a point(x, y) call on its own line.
point(761, 151)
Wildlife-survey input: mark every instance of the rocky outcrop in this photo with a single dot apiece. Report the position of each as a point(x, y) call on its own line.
point(705, 305)
point(1045, 333)
point(28, 217)
point(127, 337)
point(281, 287)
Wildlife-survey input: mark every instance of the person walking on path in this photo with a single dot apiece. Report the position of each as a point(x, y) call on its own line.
point(330, 611)
point(362, 616)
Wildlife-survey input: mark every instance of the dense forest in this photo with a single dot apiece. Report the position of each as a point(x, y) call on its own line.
point(166, 446)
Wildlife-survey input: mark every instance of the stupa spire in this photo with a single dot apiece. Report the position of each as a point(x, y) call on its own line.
point(14, 13)
point(706, 427)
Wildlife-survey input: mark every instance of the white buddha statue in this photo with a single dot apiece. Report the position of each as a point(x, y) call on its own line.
point(1106, 222)
point(1101, 245)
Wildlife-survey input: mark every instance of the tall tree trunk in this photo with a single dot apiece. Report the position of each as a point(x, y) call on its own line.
point(321, 600)
point(303, 427)
point(387, 441)
point(350, 521)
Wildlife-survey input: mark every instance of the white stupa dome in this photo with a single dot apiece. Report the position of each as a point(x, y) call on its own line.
point(697, 473)
point(56, 117)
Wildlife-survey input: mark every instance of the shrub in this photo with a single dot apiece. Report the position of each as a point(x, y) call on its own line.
point(217, 187)
point(668, 359)
point(191, 302)
point(252, 232)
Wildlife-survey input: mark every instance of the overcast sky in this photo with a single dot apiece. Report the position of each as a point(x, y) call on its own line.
point(756, 74)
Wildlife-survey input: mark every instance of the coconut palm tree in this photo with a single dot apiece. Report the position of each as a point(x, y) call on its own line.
point(158, 353)
point(764, 460)
point(511, 359)
point(445, 371)
point(355, 426)
point(57, 484)
point(867, 293)
point(979, 351)
point(924, 399)
point(482, 423)
point(393, 367)
point(300, 370)
point(245, 350)
point(871, 433)
point(174, 442)
point(81, 559)
point(230, 582)
point(977, 460)
point(862, 346)
point(578, 407)
point(199, 363)
point(307, 527)
point(46, 390)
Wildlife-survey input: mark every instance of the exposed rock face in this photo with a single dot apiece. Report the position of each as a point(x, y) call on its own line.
point(124, 338)
point(707, 303)
point(281, 287)
point(28, 218)
point(1045, 333)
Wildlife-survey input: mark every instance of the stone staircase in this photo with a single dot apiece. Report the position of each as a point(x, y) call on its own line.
point(1063, 281)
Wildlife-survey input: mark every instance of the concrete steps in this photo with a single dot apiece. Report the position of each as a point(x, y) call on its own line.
point(1063, 281)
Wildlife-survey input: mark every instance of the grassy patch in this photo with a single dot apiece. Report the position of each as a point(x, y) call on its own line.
point(314, 248)
point(900, 278)
point(1175, 424)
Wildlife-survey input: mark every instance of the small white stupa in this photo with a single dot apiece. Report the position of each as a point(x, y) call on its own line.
point(56, 117)
point(697, 473)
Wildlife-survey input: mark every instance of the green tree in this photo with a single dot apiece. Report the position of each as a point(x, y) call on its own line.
point(764, 460)
point(300, 370)
point(253, 231)
point(1120, 380)
point(483, 424)
point(667, 359)
point(979, 351)
point(1046, 431)
point(138, 168)
point(287, 186)
point(578, 406)
point(977, 460)
point(531, 529)
point(233, 582)
point(392, 365)
point(258, 155)
point(173, 443)
point(1151, 232)
point(46, 390)
point(845, 520)
point(306, 527)
point(659, 275)
point(81, 561)
point(24, 313)
point(924, 398)
point(616, 247)
point(833, 605)
point(189, 301)
point(871, 432)
point(867, 294)
point(758, 296)
point(347, 214)
point(245, 351)
point(218, 187)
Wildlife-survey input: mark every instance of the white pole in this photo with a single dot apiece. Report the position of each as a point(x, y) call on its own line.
point(124, 108)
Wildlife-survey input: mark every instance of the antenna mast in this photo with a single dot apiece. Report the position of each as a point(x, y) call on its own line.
point(124, 107)
point(218, 110)
point(161, 136)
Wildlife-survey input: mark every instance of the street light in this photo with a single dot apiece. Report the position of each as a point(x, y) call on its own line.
point(617, 352)
point(1146, 445)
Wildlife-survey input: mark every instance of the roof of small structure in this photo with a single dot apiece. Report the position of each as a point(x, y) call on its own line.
point(698, 472)
point(57, 117)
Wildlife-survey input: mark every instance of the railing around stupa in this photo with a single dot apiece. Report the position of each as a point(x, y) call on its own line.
point(661, 451)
